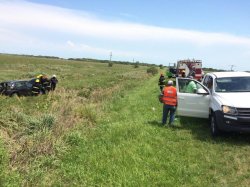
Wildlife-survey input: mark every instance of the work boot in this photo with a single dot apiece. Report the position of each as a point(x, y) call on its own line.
point(171, 125)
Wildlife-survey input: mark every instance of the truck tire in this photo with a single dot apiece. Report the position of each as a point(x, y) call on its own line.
point(213, 126)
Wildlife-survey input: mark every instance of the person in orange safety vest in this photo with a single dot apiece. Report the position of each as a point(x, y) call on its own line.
point(169, 99)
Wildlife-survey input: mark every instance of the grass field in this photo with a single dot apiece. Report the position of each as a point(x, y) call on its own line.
point(101, 127)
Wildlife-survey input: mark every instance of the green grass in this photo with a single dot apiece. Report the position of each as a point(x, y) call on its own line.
point(33, 128)
point(106, 131)
point(131, 148)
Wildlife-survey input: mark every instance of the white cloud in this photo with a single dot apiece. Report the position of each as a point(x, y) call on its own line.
point(7, 35)
point(69, 33)
point(127, 15)
point(99, 51)
point(23, 14)
point(70, 43)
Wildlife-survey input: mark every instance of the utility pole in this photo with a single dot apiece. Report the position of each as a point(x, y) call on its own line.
point(110, 56)
point(232, 66)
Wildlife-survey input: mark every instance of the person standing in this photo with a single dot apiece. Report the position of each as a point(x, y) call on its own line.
point(45, 84)
point(191, 87)
point(161, 82)
point(53, 82)
point(183, 74)
point(192, 72)
point(169, 99)
point(40, 83)
point(36, 87)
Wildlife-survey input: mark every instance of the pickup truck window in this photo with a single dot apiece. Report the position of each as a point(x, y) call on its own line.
point(208, 82)
point(233, 84)
point(189, 86)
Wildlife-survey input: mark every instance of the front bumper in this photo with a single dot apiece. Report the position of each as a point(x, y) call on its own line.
point(232, 123)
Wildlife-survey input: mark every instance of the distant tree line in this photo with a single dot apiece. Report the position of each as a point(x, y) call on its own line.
point(212, 69)
point(35, 56)
point(136, 64)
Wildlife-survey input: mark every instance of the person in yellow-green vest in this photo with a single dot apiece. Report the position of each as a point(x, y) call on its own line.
point(36, 88)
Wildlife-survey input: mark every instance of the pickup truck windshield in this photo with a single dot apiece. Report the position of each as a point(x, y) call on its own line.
point(232, 84)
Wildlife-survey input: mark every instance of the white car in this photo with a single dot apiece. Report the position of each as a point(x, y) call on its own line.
point(222, 97)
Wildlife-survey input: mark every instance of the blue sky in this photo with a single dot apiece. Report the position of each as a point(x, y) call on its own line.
point(160, 31)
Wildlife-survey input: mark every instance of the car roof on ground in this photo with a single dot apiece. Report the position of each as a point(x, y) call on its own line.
point(230, 74)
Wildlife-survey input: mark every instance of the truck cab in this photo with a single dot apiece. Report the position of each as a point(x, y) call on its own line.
point(190, 68)
point(171, 73)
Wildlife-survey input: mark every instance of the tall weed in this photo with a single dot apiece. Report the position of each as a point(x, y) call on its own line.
point(33, 129)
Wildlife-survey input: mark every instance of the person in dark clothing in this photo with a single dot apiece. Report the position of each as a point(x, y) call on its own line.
point(183, 74)
point(161, 82)
point(192, 72)
point(45, 84)
point(37, 88)
point(53, 82)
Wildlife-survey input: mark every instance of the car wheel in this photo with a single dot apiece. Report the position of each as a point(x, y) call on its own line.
point(14, 95)
point(213, 126)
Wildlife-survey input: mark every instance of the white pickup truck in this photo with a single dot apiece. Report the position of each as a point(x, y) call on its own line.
point(222, 97)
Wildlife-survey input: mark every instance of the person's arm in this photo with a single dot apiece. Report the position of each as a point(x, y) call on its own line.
point(194, 87)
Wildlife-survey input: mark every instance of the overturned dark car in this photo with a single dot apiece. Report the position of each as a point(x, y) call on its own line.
point(17, 87)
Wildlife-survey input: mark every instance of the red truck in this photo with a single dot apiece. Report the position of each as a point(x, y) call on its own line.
point(189, 67)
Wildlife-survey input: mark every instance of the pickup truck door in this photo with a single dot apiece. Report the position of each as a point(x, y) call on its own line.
point(195, 103)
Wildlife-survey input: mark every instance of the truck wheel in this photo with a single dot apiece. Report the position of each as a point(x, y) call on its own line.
point(213, 126)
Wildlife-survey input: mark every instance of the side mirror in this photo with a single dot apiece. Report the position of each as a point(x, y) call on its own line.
point(202, 91)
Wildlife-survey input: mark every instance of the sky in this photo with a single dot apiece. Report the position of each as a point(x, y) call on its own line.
point(149, 31)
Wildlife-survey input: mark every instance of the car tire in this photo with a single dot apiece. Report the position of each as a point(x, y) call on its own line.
point(213, 126)
point(14, 94)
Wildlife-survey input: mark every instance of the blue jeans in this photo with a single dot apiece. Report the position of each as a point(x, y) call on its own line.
point(161, 87)
point(166, 110)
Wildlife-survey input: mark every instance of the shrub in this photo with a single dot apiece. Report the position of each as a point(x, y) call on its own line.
point(111, 64)
point(153, 70)
point(136, 65)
